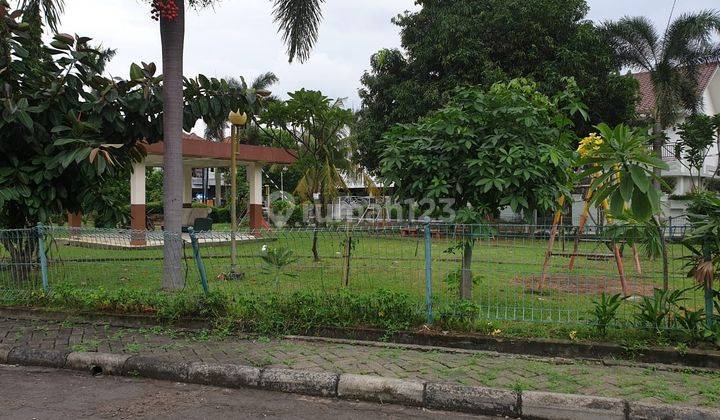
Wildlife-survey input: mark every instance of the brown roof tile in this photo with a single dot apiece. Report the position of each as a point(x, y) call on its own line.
point(647, 93)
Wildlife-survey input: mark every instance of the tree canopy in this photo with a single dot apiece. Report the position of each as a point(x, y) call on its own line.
point(64, 128)
point(480, 42)
point(509, 145)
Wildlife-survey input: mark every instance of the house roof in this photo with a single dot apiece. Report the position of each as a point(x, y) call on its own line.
point(647, 93)
point(204, 153)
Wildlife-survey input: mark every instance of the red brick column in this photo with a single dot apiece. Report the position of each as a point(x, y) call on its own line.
point(256, 217)
point(75, 219)
point(137, 224)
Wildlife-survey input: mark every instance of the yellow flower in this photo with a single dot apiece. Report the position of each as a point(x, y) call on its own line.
point(495, 332)
point(590, 144)
point(573, 335)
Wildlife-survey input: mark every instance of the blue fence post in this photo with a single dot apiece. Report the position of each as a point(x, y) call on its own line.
point(43, 257)
point(198, 260)
point(709, 316)
point(428, 272)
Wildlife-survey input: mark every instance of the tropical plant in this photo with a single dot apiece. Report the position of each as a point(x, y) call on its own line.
point(446, 44)
point(61, 130)
point(298, 21)
point(673, 60)
point(657, 311)
point(509, 145)
point(697, 135)
point(605, 311)
point(691, 324)
point(275, 262)
point(316, 134)
point(703, 241)
point(621, 170)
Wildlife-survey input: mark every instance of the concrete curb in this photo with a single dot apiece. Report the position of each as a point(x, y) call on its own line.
point(475, 400)
point(384, 390)
point(322, 384)
point(471, 399)
point(547, 405)
point(644, 411)
point(97, 363)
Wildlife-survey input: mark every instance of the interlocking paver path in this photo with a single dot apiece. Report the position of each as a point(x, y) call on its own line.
point(634, 382)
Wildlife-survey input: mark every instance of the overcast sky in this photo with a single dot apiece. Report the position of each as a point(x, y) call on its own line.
point(238, 37)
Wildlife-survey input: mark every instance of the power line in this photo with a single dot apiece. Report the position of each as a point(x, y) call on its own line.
point(672, 10)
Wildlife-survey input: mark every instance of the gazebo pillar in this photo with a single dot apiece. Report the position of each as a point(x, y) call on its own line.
point(254, 179)
point(137, 204)
point(75, 219)
point(218, 188)
point(187, 186)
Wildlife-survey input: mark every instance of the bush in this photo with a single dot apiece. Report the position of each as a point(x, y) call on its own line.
point(154, 207)
point(220, 214)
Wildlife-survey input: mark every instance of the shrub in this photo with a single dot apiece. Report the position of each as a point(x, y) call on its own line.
point(154, 207)
point(604, 311)
point(657, 311)
point(220, 214)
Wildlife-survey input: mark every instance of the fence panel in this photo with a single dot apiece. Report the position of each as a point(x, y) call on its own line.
point(511, 277)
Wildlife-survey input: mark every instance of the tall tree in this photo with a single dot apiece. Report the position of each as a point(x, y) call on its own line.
point(298, 21)
point(47, 10)
point(316, 134)
point(673, 59)
point(509, 145)
point(216, 130)
point(480, 42)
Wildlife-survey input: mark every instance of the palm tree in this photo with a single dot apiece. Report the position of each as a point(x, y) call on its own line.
point(47, 10)
point(298, 21)
point(673, 61)
point(216, 131)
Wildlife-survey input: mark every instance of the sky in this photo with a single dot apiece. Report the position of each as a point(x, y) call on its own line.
point(239, 38)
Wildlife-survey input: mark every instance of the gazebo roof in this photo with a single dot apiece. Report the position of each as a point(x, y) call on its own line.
point(202, 153)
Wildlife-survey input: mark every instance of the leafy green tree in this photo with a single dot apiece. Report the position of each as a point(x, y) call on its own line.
point(64, 128)
point(509, 145)
point(316, 134)
point(697, 135)
point(480, 42)
point(673, 61)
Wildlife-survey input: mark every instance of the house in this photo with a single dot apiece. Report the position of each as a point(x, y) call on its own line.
point(709, 89)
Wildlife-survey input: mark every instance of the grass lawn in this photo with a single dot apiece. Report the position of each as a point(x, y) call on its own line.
point(506, 270)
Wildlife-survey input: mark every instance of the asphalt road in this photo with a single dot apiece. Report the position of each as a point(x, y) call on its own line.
point(40, 393)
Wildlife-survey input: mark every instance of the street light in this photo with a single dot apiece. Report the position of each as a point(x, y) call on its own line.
point(237, 120)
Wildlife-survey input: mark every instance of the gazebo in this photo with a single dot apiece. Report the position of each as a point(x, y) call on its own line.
point(200, 153)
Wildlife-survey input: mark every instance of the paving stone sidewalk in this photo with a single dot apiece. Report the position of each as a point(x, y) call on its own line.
point(636, 383)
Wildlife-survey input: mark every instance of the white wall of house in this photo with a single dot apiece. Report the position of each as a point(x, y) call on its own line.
point(710, 106)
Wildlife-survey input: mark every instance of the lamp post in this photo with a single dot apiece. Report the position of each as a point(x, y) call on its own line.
point(282, 183)
point(237, 120)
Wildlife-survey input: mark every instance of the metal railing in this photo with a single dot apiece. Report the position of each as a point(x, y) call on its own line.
point(514, 275)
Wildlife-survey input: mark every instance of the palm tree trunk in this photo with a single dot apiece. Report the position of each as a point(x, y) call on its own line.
point(172, 35)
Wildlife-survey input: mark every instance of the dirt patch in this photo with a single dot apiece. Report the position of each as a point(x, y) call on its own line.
point(583, 284)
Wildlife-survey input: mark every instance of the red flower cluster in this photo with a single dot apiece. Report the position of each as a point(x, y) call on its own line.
point(166, 9)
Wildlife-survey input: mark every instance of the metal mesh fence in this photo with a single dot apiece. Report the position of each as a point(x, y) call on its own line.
point(515, 276)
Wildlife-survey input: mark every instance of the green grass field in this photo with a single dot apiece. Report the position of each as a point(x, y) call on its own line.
point(506, 270)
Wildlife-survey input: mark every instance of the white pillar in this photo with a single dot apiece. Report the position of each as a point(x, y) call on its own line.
point(254, 179)
point(137, 204)
point(137, 183)
point(187, 184)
